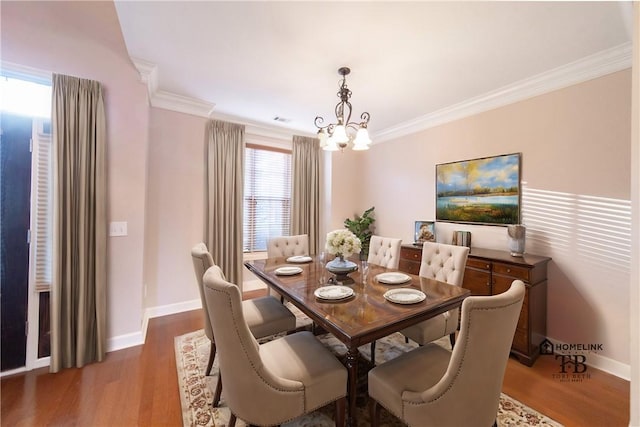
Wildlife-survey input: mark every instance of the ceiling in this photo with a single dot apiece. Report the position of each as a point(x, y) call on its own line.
point(410, 61)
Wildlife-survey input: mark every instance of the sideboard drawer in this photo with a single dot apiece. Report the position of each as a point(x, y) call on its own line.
point(480, 264)
point(514, 271)
point(409, 266)
point(411, 254)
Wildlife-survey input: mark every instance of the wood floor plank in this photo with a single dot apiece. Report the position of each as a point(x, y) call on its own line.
point(138, 386)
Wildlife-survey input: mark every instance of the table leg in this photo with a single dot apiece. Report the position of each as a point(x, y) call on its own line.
point(352, 386)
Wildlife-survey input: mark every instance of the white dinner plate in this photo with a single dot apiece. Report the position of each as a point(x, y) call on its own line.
point(288, 271)
point(299, 259)
point(333, 292)
point(405, 296)
point(392, 278)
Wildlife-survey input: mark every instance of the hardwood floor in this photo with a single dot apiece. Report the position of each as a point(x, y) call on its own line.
point(138, 387)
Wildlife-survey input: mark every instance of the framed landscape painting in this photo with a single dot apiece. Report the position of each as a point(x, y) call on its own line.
point(479, 191)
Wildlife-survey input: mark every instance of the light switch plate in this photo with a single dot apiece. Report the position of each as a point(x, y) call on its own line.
point(118, 228)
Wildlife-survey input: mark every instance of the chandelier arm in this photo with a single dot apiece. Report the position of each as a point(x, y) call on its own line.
point(365, 117)
point(318, 123)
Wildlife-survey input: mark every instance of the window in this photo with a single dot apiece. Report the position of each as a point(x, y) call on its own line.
point(32, 98)
point(267, 196)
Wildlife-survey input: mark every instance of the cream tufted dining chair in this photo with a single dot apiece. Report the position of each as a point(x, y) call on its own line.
point(264, 316)
point(277, 381)
point(432, 386)
point(286, 246)
point(384, 251)
point(445, 263)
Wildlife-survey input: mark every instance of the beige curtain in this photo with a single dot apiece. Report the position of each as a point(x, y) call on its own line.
point(78, 301)
point(305, 204)
point(224, 192)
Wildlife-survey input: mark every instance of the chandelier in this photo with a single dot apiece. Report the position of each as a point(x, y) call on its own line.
point(337, 136)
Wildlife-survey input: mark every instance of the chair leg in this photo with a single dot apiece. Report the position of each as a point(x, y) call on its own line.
point(218, 393)
point(373, 353)
point(232, 420)
point(452, 339)
point(341, 405)
point(374, 412)
point(212, 355)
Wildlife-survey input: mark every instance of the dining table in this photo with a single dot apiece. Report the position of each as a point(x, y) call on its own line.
point(372, 303)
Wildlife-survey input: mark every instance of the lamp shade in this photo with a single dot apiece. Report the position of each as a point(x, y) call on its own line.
point(331, 144)
point(362, 140)
point(340, 134)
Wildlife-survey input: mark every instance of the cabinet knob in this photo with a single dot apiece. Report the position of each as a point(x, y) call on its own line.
point(508, 270)
point(488, 266)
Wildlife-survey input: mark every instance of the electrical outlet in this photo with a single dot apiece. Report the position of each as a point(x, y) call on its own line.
point(118, 228)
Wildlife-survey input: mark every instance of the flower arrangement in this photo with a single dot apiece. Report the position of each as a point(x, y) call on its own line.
point(343, 243)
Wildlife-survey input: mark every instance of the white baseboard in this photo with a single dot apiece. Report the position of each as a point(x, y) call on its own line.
point(165, 310)
point(138, 338)
point(610, 366)
point(125, 341)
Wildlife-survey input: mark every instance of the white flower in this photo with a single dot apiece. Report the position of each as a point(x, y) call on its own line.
point(343, 242)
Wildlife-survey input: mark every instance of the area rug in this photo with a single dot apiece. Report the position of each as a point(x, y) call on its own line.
point(196, 389)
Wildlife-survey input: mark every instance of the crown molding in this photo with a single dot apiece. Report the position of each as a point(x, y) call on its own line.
point(597, 65)
point(261, 129)
point(181, 104)
point(148, 74)
point(169, 101)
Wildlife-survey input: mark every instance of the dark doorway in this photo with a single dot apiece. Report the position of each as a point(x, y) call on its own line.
point(15, 189)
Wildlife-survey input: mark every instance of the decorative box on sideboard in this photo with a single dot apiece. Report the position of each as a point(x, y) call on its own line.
point(491, 272)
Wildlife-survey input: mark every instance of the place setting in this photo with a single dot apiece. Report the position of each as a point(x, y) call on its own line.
point(288, 271)
point(404, 296)
point(392, 278)
point(334, 293)
point(299, 259)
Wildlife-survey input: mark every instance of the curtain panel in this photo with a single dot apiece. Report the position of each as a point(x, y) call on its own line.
point(78, 290)
point(305, 200)
point(224, 192)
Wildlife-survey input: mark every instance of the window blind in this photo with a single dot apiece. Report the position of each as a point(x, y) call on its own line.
point(267, 196)
point(42, 208)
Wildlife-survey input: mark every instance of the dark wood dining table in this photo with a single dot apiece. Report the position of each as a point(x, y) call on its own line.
point(362, 318)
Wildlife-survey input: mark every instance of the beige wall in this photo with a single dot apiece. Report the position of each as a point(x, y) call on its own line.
point(83, 39)
point(575, 145)
point(175, 206)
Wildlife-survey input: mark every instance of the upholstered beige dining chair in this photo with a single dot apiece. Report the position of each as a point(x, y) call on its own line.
point(287, 246)
point(277, 381)
point(430, 386)
point(383, 251)
point(445, 263)
point(264, 316)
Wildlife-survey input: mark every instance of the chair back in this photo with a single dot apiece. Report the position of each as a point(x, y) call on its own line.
point(287, 246)
point(202, 260)
point(445, 263)
point(251, 390)
point(384, 251)
point(473, 380)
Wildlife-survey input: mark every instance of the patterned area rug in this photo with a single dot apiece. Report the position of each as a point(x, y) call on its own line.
point(196, 389)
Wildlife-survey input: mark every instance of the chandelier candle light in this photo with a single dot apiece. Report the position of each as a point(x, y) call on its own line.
point(342, 243)
point(336, 136)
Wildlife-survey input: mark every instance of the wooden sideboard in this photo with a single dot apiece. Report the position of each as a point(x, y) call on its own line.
point(490, 272)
